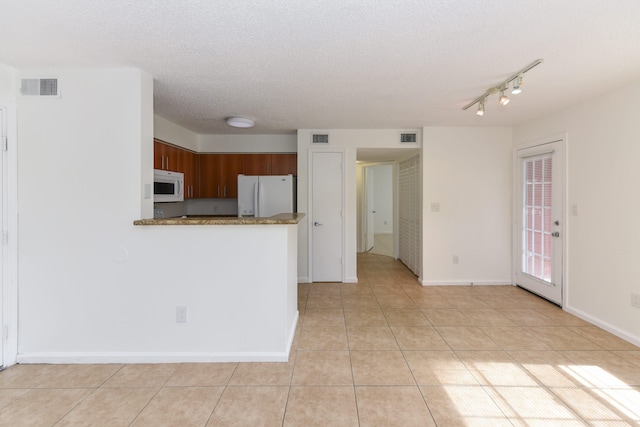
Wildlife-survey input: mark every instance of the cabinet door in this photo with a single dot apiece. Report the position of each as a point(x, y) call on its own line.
point(284, 164)
point(158, 154)
point(209, 175)
point(230, 166)
point(166, 157)
point(257, 164)
point(189, 166)
point(172, 158)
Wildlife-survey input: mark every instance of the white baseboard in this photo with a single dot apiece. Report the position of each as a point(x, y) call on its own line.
point(351, 280)
point(465, 283)
point(158, 357)
point(304, 280)
point(633, 339)
point(124, 357)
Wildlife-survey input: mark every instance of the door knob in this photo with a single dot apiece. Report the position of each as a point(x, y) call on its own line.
point(317, 224)
point(555, 234)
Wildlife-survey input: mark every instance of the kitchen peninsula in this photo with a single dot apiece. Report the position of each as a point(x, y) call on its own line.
point(237, 278)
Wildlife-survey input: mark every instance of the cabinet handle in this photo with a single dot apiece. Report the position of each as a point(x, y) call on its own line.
point(225, 191)
point(218, 191)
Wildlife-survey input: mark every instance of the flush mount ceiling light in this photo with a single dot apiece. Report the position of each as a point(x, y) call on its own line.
point(502, 87)
point(240, 122)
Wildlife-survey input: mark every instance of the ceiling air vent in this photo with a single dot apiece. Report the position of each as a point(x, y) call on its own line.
point(408, 137)
point(40, 87)
point(320, 138)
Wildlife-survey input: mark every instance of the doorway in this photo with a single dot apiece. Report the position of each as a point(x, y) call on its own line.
point(539, 218)
point(378, 209)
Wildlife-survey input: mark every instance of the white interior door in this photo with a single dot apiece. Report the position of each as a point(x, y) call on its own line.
point(3, 223)
point(369, 205)
point(539, 219)
point(326, 217)
point(409, 227)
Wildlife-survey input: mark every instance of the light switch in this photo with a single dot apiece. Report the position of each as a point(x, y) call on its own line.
point(435, 206)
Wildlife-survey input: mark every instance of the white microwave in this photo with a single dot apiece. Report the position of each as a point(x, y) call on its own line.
point(168, 186)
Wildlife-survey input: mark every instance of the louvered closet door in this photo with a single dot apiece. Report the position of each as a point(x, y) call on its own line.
point(409, 227)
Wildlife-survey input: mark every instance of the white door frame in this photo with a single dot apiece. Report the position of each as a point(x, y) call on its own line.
point(8, 281)
point(561, 139)
point(311, 152)
point(368, 205)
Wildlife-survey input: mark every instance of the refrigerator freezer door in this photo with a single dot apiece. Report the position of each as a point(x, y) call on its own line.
point(247, 194)
point(275, 195)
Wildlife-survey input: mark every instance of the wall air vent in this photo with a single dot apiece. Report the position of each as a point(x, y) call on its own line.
point(40, 87)
point(320, 138)
point(408, 137)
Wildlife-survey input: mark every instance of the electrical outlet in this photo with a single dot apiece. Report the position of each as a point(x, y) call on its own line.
point(456, 260)
point(181, 314)
point(635, 299)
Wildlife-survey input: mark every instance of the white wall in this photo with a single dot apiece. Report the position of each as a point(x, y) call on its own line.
point(468, 172)
point(168, 131)
point(348, 141)
point(94, 287)
point(247, 143)
point(84, 161)
point(603, 176)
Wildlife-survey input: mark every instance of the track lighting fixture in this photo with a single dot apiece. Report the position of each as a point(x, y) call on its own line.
point(480, 111)
point(504, 99)
point(502, 87)
point(516, 84)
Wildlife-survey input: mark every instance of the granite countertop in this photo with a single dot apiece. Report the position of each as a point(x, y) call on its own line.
point(285, 218)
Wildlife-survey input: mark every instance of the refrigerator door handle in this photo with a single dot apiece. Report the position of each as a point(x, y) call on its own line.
point(255, 199)
point(260, 197)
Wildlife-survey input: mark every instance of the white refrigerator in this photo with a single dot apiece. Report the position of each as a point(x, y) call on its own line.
point(265, 196)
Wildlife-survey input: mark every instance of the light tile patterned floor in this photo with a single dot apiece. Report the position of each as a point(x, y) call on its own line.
point(382, 245)
point(383, 352)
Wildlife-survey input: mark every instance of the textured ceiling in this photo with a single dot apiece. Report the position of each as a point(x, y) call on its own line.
point(330, 64)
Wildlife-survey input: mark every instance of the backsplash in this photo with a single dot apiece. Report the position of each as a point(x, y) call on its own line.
point(196, 207)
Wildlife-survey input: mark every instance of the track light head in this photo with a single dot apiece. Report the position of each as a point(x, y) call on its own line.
point(480, 111)
point(516, 85)
point(504, 99)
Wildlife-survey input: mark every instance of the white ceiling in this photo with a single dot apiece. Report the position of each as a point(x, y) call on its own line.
point(330, 64)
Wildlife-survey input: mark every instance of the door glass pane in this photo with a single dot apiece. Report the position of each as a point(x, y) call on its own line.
point(536, 213)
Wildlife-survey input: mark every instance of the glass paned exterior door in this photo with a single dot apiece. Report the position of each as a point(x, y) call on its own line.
point(539, 237)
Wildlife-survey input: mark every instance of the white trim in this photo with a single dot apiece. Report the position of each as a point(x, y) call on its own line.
point(466, 283)
point(562, 140)
point(633, 339)
point(9, 286)
point(124, 357)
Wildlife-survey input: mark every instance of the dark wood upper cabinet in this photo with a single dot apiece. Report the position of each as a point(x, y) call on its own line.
point(215, 175)
point(284, 164)
point(219, 175)
point(257, 164)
